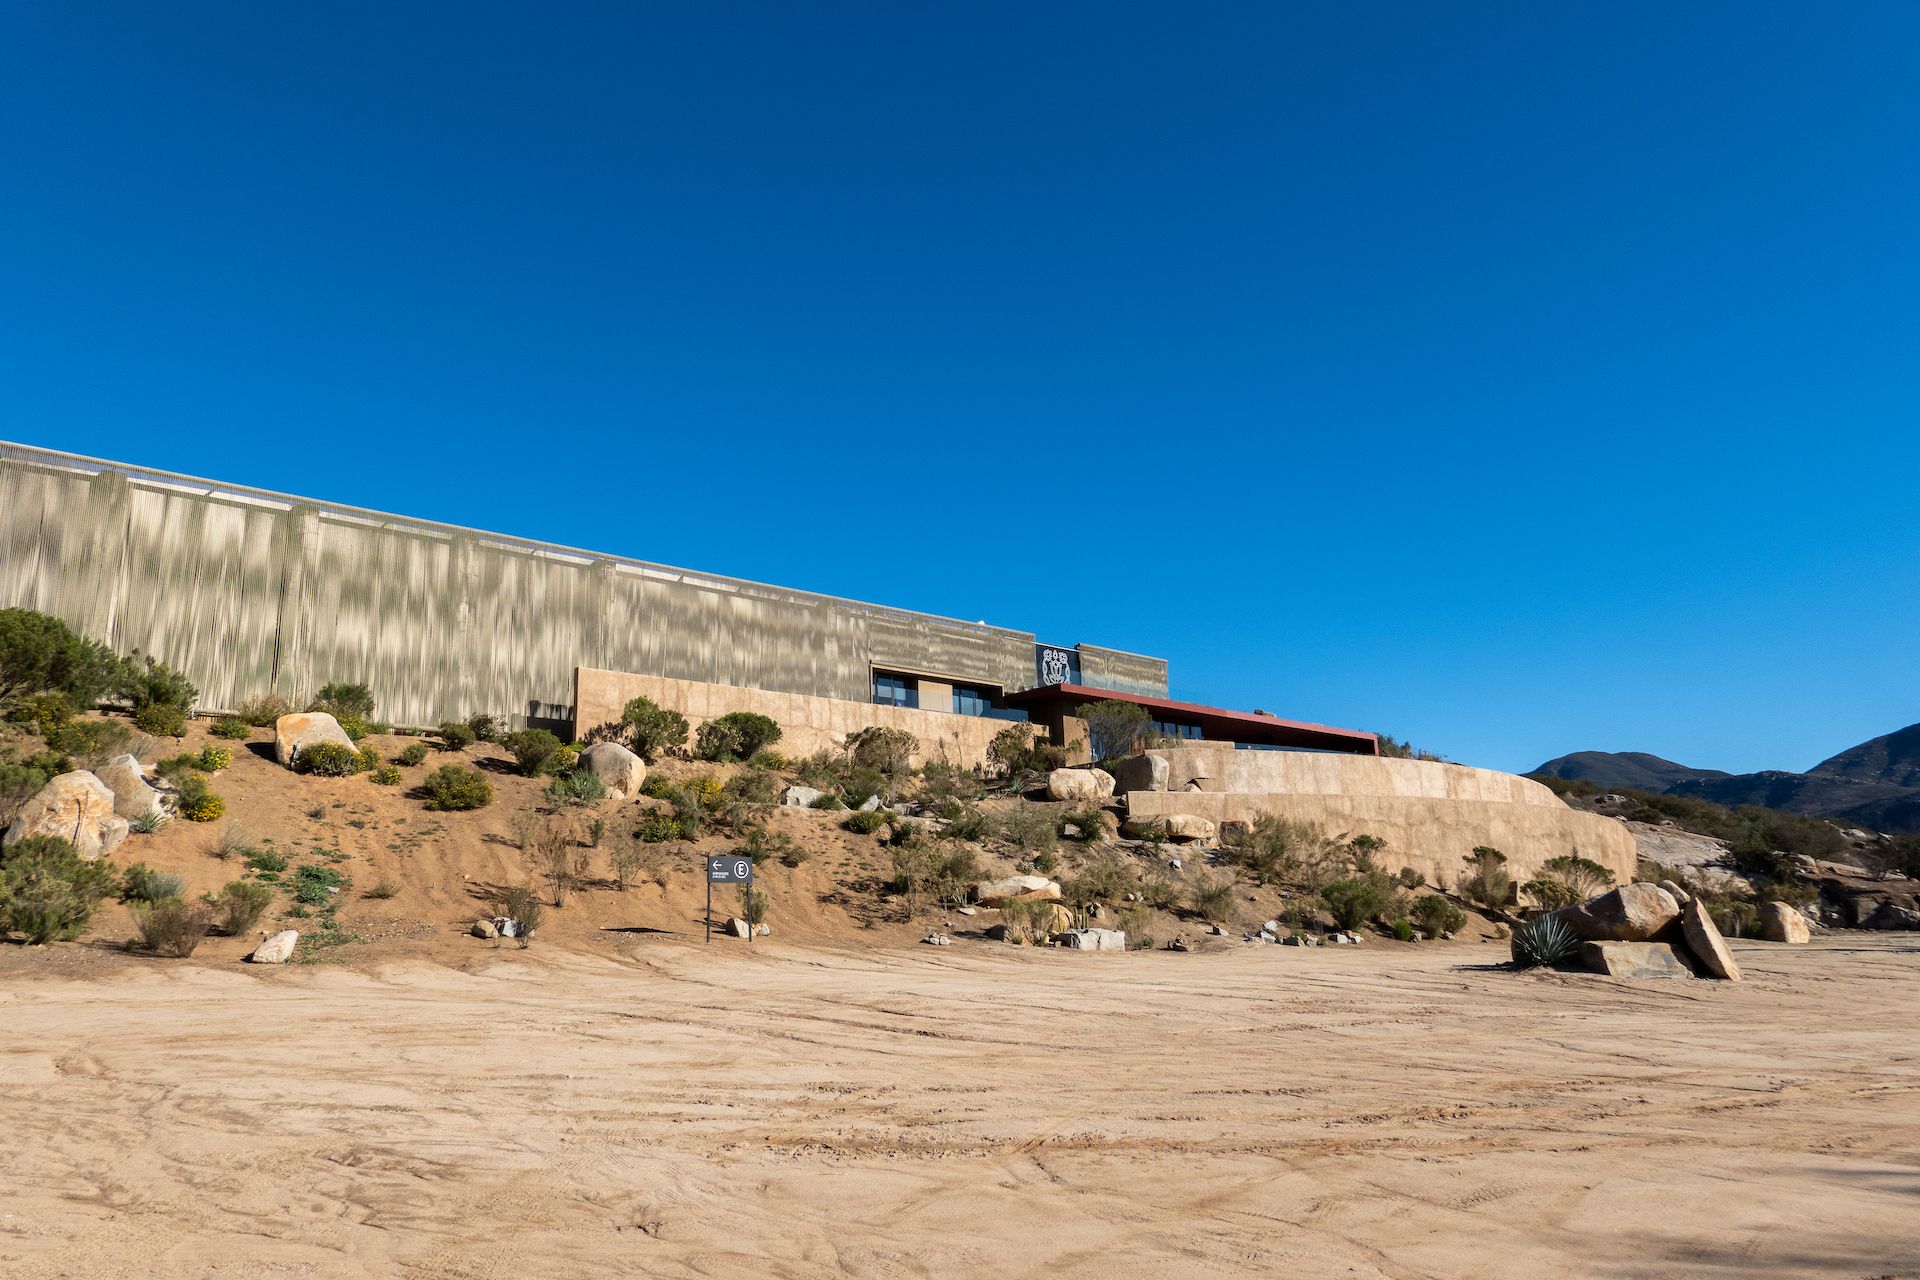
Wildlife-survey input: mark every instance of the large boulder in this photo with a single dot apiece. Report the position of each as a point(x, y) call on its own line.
point(1093, 940)
point(1186, 826)
point(739, 928)
point(619, 768)
point(1631, 913)
point(295, 733)
point(1891, 915)
point(78, 808)
point(1633, 960)
point(799, 797)
point(1082, 786)
point(276, 950)
point(132, 796)
point(1704, 940)
point(995, 893)
point(1147, 772)
point(1050, 918)
point(1780, 922)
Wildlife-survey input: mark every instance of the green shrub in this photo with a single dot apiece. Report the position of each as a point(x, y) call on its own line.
point(522, 906)
point(1352, 902)
point(45, 713)
point(262, 712)
point(1211, 898)
point(386, 776)
point(19, 783)
point(735, 736)
point(827, 800)
point(91, 743)
point(453, 787)
point(887, 750)
point(315, 885)
point(1487, 881)
point(865, 822)
point(212, 759)
point(231, 727)
point(382, 891)
point(455, 736)
point(39, 653)
point(413, 753)
point(196, 800)
point(238, 905)
point(1158, 891)
point(163, 720)
point(652, 730)
point(1543, 940)
point(753, 906)
point(1103, 877)
point(267, 860)
point(767, 759)
point(1280, 851)
point(1403, 929)
point(582, 786)
point(149, 822)
point(370, 758)
point(328, 760)
point(1030, 828)
point(171, 926)
point(1134, 920)
point(342, 700)
point(653, 828)
point(485, 728)
point(1436, 915)
point(146, 681)
point(1095, 825)
point(141, 883)
point(1114, 729)
point(48, 893)
point(535, 750)
point(1567, 881)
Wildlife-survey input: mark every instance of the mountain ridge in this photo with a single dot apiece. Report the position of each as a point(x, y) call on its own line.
point(1873, 784)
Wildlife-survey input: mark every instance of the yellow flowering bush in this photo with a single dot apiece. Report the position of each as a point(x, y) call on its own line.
point(203, 807)
point(214, 758)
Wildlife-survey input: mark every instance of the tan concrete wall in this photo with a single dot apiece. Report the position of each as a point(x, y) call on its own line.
point(808, 724)
point(1431, 815)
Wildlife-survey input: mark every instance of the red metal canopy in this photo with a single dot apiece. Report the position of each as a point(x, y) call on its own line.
point(1216, 723)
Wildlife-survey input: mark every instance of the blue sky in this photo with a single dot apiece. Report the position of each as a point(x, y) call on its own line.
point(1515, 378)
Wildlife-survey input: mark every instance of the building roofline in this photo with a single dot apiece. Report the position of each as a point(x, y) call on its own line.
point(63, 460)
point(1198, 711)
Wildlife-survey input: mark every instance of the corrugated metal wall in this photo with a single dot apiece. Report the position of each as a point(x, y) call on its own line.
point(250, 591)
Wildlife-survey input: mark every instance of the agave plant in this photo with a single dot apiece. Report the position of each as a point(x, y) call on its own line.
point(150, 821)
point(1543, 940)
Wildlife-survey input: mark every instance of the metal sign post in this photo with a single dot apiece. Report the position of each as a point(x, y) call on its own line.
point(729, 868)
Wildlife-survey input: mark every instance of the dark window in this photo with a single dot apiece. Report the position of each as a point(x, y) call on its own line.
point(969, 701)
point(1174, 729)
point(895, 691)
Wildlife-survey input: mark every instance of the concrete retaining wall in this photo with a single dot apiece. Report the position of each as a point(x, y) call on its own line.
point(808, 724)
point(1431, 815)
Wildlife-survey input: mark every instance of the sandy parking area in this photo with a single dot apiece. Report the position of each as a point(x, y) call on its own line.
point(965, 1112)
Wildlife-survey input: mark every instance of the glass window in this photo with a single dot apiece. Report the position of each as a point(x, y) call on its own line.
point(1175, 729)
point(969, 701)
point(895, 691)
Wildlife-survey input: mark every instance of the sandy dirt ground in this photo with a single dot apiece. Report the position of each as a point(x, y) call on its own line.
point(678, 1111)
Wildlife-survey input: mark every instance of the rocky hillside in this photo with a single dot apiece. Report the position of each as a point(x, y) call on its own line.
point(1875, 785)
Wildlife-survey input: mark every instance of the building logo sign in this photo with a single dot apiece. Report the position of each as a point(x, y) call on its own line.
point(1056, 666)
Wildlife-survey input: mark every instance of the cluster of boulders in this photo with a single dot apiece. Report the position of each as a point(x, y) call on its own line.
point(92, 810)
point(1852, 898)
point(1646, 930)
